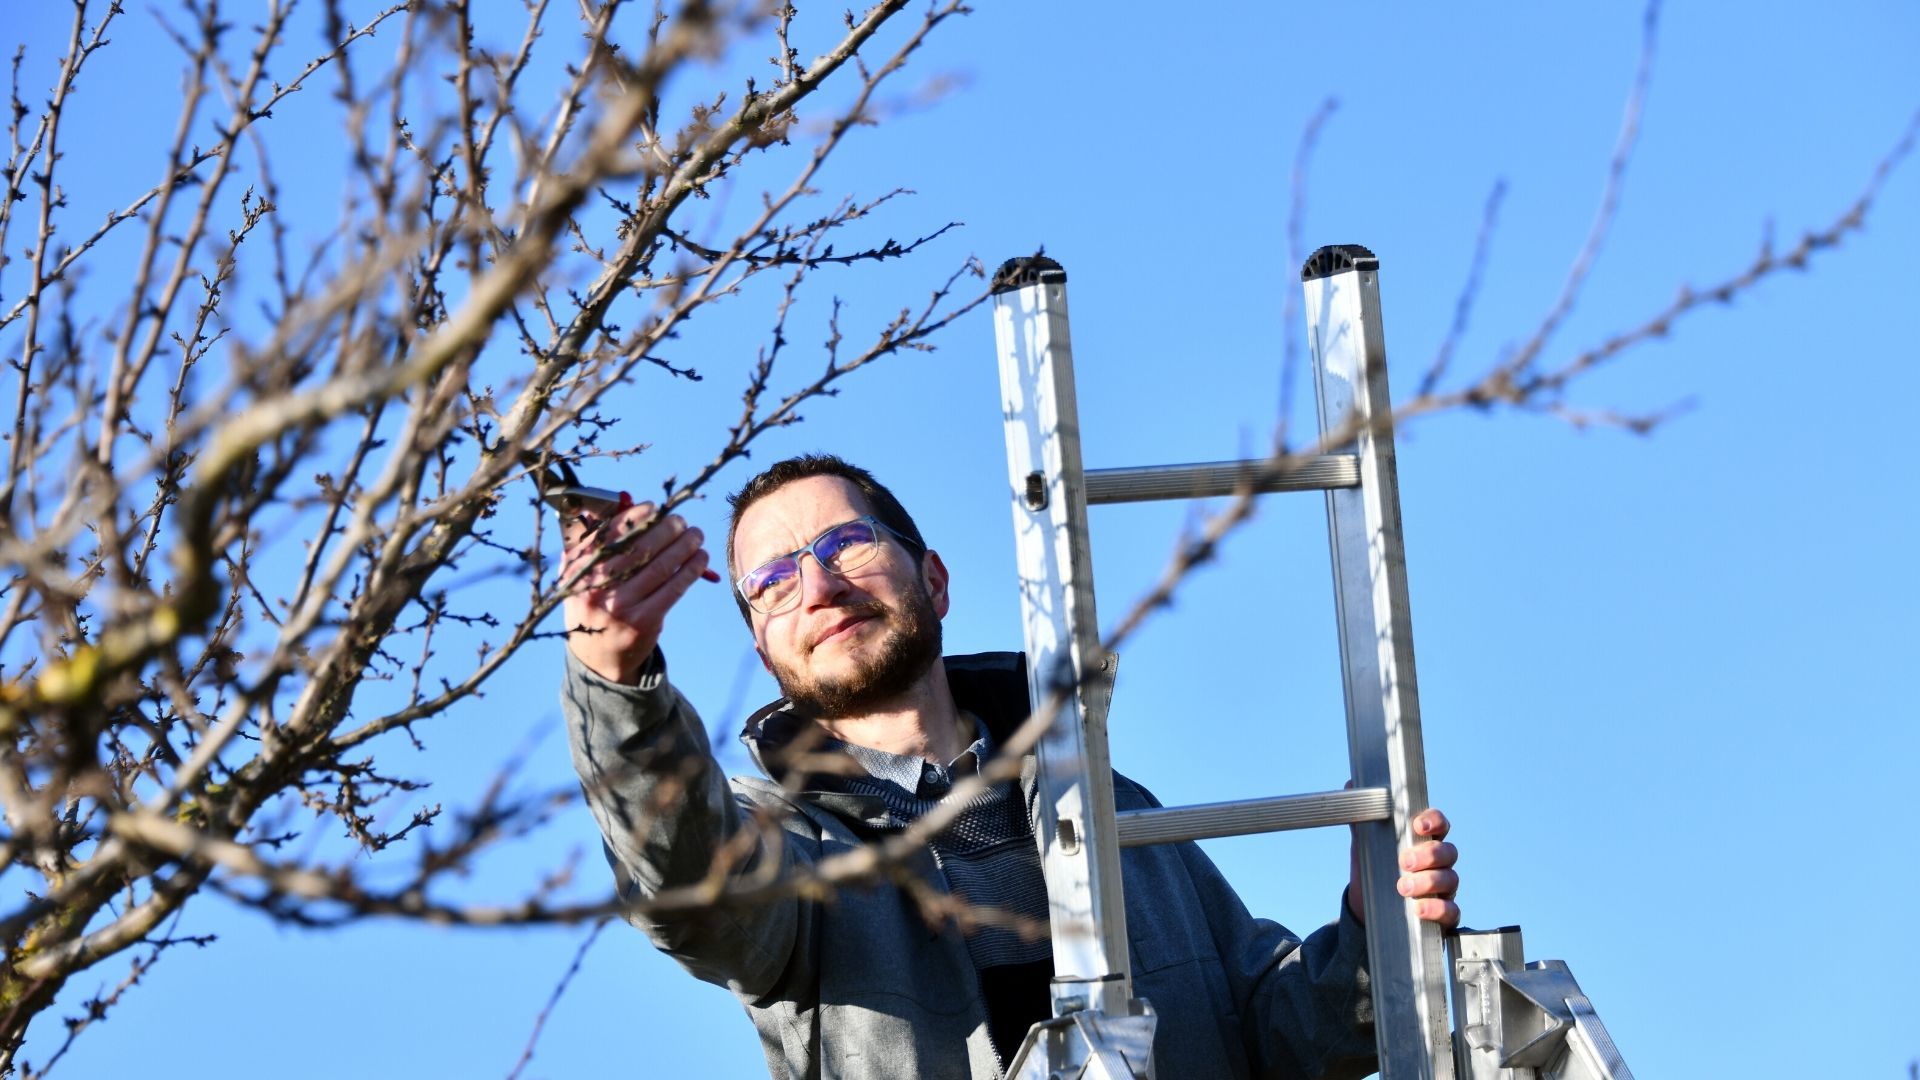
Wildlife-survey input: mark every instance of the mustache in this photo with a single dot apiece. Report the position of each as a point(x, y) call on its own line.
point(865, 608)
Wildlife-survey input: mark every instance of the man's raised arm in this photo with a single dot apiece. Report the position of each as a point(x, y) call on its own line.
point(662, 803)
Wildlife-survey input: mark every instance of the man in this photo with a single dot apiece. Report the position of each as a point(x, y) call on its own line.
point(844, 599)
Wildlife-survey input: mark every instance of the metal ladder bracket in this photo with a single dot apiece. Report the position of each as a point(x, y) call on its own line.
point(1088, 1045)
point(1525, 1021)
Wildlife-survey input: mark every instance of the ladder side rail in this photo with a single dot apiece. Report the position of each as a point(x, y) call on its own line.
point(1405, 957)
point(1079, 854)
point(1591, 1046)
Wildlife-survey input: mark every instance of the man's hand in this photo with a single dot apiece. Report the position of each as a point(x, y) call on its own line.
point(614, 624)
point(1427, 876)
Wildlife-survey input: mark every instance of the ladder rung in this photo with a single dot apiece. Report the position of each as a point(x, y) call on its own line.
point(1138, 828)
point(1207, 479)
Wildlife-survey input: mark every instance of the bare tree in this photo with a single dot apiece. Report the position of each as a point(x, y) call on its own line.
point(501, 261)
point(259, 480)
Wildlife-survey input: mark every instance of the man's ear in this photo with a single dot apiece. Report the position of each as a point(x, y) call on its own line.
point(934, 573)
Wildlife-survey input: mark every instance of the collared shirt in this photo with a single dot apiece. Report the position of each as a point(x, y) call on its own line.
point(987, 853)
point(926, 780)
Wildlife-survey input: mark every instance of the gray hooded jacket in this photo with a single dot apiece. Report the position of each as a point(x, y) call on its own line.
point(858, 986)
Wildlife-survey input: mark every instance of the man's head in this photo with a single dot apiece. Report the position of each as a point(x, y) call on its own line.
point(850, 640)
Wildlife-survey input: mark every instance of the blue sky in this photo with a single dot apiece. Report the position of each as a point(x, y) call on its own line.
point(1662, 677)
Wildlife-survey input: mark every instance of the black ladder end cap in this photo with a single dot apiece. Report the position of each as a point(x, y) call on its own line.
point(1027, 270)
point(1338, 259)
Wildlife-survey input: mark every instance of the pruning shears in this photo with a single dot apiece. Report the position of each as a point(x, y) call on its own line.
point(560, 488)
point(590, 506)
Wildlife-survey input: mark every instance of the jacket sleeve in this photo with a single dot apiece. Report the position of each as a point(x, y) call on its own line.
point(1306, 1007)
point(665, 811)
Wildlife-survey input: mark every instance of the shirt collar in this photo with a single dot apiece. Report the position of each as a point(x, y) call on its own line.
point(916, 775)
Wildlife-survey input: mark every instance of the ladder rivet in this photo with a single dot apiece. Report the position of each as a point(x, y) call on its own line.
point(1036, 491)
point(1069, 837)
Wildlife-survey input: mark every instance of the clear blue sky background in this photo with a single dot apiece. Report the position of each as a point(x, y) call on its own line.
point(1667, 681)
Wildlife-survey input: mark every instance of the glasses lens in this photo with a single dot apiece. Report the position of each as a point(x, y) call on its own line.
point(772, 584)
point(846, 547)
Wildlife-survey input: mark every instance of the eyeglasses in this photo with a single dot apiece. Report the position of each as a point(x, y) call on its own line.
point(774, 585)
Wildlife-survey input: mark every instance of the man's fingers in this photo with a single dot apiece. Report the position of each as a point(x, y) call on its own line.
point(589, 532)
point(646, 598)
point(1441, 883)
point(1429, 855)
point(1431, 824)
point(660, 566)
point(637, 539)
point(648, 610)
point(588, 528)
point(690, 571)
point(1444, 912)
point(1428, 878)
point(636, 548)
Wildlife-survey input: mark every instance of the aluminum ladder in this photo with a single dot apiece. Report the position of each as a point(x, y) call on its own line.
point(1098, 1028)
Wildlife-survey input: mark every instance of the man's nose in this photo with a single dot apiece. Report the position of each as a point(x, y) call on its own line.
point(819, 586)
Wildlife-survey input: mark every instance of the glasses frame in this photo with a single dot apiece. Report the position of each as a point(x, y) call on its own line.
point(879, 527)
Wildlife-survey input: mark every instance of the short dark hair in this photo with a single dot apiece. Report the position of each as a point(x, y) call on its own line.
point(885, 508)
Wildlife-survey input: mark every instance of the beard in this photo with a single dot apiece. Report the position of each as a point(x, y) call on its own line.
point(908, 650)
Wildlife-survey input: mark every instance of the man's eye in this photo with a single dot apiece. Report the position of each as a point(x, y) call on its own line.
point(851, 535)
point(772, 577)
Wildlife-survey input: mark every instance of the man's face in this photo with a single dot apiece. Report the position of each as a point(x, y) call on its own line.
point(849, 642)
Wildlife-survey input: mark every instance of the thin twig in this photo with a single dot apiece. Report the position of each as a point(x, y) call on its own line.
point(553, 999)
